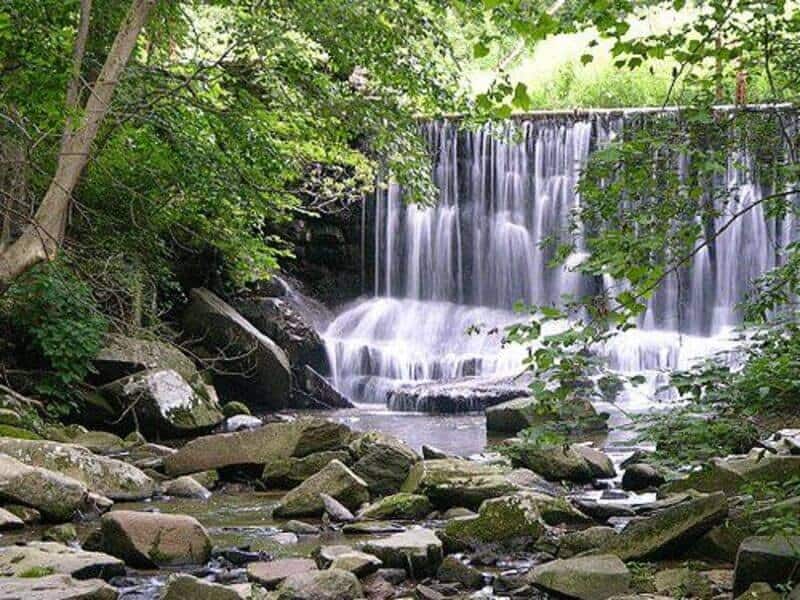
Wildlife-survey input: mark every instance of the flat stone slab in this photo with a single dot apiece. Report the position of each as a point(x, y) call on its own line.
point(51, 587)
point(585, 578)
point(418, 551)
point(768, 559)
point(272, 574)
point(54, 558)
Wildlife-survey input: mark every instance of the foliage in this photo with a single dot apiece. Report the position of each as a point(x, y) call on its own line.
point(767, 495)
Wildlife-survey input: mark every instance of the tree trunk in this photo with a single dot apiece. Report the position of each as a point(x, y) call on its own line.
point(41, 239)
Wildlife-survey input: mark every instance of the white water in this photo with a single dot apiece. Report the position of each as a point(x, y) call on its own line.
point(465, 261)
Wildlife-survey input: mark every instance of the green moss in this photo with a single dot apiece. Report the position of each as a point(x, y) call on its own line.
point(231, 409)
point(35, 572)
point(400, 506)
point(18, 433)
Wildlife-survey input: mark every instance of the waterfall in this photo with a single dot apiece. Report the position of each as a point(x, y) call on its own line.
point(444, 269)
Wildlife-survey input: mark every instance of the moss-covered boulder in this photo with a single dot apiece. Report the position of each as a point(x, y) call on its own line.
point(554, 463)
point(52, 557)
point(148, 540)
point(185, 487)
point(670, 532)
point(506, 520)
point(520, 413)
point(113, 478)
point(383, 461)
point(231, 409)
point(122, 356)
point(358, 563)
point(100, 442)
point(454, 482)
point(770, 559)
point(452, 570)
point(288, 472)
point(411, 507)
point(576, 542)
point(418, 551)
point(57, 497)
point(335, 480)
point(599, 462)
point(18, 433)
point(258, 371)
point(585, 578)
point(166, 404)
point(260, 446)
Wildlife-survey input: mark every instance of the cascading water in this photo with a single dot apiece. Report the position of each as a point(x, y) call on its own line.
point(465, 261)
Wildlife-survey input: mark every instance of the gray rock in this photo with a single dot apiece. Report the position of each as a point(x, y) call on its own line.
point(271, 574)
point(453, 570)
point(333, 584)
point(259, 372)
point(107, 476)
point(241, 423)
point(641, 476)
point(56, 496)
point(555, 463)
point(431, 453)
point(371, 528)
point(577, 542)
point(599, 462)
point(9, 521)
point(336, 480)
point(297, 439)
point(123, 356)
point(48, 558)
point(101, 442)
point(300, 528)
point(166, 404)
point(336, 512)
point(286, 473)
point(322, 392)
point(52, 587)
point(418, 551)
point(773, 560)
point(182, 587)
point(683, 583)
point(408, 507)
point(358, 563)
point(383, 461)
point(186, 487)
point(520, 413)
point(465, 395)
point(147, 540)
point(585, 578)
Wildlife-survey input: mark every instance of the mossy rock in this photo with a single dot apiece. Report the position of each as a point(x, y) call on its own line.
point(288, 472)
point(18, 433)
point(231, 409)
point(64, 534)
point(411, 507)
point(10, 417)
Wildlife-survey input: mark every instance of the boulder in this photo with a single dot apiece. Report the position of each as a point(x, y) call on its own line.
point(336, 511)
point(57, 497)
point(599, 462)
point(577, 542)
point(300, 528)
point(122, 356)
point(504, 520)
point(410, 507)
point(286, 473)
point(336, 480)
point(418, 551)
point(260, 446)
point(277, 320)
point(52, 587)
point(431, 453)
point(730, 474)
point(333, 584)
point(452, 570)
point(383, 461)
point(112, 478)
point(240, 423)
point(358, 563)
point(515, 415)
point(49, 558)
point(322, 392)
point(669, 532)
point(271, 574)
point(9, 520)
point(186, 487)
point(100, 442)
point(769, 559)
point(182, 586)
point(470, 394)
point(259, 372)
point(641, 476)
point(325, 555)
point(683, 583)
point(456, 482)
point(555, 463)
point(166, 404)
point(147, 540)
point(585, 578)
point(231, 409)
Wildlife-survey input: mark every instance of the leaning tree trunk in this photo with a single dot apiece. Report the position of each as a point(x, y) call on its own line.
point(43, 236)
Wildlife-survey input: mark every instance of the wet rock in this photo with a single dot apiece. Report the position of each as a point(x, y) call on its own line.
point(238, 556)
point(773, 560)
point(300, 528)
point(286, 473)
point(577, 542)
point(183, 587)
point(410, 507)
point(526, 479)
point(241, 423)
point(682, 583)
point(599, 462)
point(358, 563)
point(465, 395)
point(166, 404)
point(48, 558)
point(520, 413)
point(760, 591)
point(57, 497)
point(452, 570)
point(336, 480)
point(231, 409)
point(336, 512)
point(186, 487)
point(418, 551)
point(297, 439)
point(9, 521)
point(641, 476)
point(431, 453)
point(586, 578)
point(669, 532)
point(63, 534)
point(322, 392)
point(259, 373)
point(333, 584)
point(271, 574)
point(51, 587)
point(457, 482)
point(383, 461)
point(147, 540)
point(730, 474)
point(555, 463)
point(372, 528)
point(107, 476)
